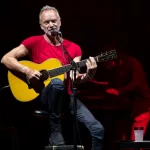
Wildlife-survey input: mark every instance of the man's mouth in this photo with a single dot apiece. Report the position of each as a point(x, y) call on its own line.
point(49, 30)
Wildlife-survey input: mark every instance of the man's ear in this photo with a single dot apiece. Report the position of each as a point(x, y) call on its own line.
point(41, 27)
point(60, 22)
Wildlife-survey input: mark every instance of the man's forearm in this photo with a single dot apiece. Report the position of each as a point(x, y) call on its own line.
point(13, 64)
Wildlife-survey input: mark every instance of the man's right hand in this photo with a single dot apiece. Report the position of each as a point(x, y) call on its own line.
point(33, 79)
point(31, 74)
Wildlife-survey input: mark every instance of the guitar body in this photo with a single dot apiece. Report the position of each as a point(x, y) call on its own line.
point(52, 68)
point(20, 88)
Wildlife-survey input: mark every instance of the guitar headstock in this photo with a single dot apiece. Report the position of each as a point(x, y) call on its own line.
point(108, 55)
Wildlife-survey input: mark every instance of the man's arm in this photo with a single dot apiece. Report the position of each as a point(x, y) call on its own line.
point(10, 60)
point(91, 70)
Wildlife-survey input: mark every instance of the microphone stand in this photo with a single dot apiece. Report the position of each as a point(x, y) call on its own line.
point(74, 69)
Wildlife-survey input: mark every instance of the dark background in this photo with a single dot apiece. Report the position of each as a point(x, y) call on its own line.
point(91, 24)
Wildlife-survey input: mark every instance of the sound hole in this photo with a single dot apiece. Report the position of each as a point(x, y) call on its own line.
point(44, 75)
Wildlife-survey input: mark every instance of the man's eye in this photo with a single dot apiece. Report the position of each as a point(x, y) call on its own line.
point(54, 21)
point(46, 22)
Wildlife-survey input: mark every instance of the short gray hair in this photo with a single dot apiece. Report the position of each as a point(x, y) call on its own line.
point(47, 7)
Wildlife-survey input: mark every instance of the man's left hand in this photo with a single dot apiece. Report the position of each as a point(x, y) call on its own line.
point(91, 66)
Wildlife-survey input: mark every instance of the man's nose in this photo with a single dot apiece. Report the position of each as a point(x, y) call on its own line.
point(51, 24)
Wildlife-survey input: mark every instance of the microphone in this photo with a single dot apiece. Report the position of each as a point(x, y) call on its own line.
point(55, 33)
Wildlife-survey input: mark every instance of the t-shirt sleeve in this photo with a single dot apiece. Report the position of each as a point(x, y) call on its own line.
point(30, 42)
point(78, 51)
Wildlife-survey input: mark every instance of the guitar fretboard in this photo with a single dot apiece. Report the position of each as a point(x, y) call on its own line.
point(61, 70)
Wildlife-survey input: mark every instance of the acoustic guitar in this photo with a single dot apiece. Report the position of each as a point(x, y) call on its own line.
point(24, 91)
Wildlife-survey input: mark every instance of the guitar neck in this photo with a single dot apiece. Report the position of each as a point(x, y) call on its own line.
point(100, 58)
point(97, 59)
point(67, 68)
point(59, 71)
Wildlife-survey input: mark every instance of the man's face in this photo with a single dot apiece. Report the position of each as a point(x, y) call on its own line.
point(49, 21)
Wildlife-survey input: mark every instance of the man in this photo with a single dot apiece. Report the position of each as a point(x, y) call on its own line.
point(43, 47)
point(128, 88)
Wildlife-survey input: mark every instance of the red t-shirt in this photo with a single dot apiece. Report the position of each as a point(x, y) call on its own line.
point(40, 50)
